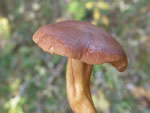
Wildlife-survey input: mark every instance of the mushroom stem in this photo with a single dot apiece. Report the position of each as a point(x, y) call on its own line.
point(78, 86)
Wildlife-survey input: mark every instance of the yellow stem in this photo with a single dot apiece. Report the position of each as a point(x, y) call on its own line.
point(78, 86)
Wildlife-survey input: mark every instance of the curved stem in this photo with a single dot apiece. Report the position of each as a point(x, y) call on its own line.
point(78, 86)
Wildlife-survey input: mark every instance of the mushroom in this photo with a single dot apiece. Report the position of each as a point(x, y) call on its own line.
point(84, 44)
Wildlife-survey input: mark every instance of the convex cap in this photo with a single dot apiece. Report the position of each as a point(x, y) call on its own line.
point(82, 41)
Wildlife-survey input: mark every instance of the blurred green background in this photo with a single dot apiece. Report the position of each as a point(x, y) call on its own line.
point(32, 81)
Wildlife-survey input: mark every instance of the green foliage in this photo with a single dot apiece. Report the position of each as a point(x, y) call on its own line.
point(77, 9)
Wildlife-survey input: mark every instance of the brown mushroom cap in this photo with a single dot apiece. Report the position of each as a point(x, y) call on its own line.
point(82, 41)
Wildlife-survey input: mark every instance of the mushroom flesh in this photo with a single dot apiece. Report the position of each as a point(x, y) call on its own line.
point(85, 45)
